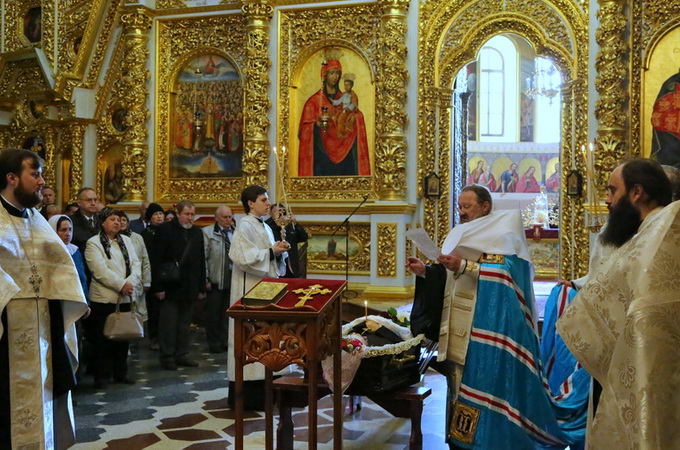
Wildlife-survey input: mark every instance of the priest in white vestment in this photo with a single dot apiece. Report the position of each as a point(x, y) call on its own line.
point(255, 255)
point(40, 300)
point(624, 325)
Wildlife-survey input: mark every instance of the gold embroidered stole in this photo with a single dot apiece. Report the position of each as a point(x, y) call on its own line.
point(30, 373)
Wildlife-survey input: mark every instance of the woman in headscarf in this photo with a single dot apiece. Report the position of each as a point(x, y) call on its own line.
point(155, 217)
point(116, 276)
point(63, 225)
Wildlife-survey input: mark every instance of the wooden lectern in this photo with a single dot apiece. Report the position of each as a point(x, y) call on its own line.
point(282, 334)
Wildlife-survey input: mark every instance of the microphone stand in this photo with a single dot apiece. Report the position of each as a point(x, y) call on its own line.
point(345, 223)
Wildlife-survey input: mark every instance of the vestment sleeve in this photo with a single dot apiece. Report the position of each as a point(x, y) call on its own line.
point(245, 252)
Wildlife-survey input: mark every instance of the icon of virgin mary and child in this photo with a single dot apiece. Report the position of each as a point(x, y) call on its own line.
point(332, 129)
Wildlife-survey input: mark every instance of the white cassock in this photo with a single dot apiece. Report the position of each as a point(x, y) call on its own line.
point(251, 255)
point(35, 413)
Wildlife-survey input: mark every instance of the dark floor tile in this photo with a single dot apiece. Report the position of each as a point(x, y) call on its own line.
point(127, 417)
point(88, 434)
point(185, 421)
point(216, 404)
point(169, 400)
point(249, 426)
point(215, 445)
point(231, 414)
point(137, 442)
point(192, 435)
point(211, 385)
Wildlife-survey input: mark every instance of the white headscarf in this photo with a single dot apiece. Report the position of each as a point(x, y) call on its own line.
point(53, 221)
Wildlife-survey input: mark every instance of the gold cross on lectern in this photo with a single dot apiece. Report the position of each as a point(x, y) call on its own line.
point(311, 290)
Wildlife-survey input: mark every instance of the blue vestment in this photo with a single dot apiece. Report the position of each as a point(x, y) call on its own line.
point(503, 401)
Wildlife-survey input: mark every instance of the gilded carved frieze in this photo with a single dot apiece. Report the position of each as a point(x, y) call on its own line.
point(450, 34)
point(387, 249)
point(257, 14)
point(102, 39)
point(178, 41)
point(305, 32)
point(611, 64)
point(326, 253)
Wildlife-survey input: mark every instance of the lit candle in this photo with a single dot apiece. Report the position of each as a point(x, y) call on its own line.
point(366, 308)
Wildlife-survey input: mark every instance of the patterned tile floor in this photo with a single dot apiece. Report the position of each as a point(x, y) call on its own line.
point(187, 409)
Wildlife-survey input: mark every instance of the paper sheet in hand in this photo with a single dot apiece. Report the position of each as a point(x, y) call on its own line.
point(423, 242)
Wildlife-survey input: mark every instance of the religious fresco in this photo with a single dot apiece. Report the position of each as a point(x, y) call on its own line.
point(661, 94)
point(207, 120)
point(35, 144)
point(324, 247)
point(332, 112)
point(110, 174)
point(33, 25)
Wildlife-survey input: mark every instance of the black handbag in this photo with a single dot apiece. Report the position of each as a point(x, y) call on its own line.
point(426, 314)
point(169, 272)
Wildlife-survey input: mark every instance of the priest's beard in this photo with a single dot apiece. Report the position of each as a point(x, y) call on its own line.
point(26, 198)
point(624, 221)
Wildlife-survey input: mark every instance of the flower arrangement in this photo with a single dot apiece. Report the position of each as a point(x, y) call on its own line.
point(353, 343)
point(394, 316)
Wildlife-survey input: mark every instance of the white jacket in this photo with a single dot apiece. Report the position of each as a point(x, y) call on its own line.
point(108, 275)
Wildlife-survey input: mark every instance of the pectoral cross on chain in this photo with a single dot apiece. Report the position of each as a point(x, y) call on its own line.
point(35, 280)
point(311, 290)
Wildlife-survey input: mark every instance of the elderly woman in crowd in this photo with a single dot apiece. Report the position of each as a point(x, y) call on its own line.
point(63, 225)
point(116, 277)
point(143, 256)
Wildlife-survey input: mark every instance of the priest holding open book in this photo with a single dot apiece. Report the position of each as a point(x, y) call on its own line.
point(255, 255)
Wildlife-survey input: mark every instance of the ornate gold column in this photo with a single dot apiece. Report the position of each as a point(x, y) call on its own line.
point(136, 26)
point(50, 137)
point(76, 137)
point(391, 144)
point(611, 84)
point(257, 14)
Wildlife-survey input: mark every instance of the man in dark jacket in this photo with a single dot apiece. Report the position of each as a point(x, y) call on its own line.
point(85, 224)
point(179, 242)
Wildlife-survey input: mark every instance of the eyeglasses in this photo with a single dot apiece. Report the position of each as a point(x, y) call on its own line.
point(466, 207)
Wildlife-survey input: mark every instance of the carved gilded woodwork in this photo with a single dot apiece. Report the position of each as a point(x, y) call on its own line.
point(101, 39)
point(170, 4)
point(178, 41)
point(390, 150)
point(359, 264)
point(451, 33)
point(76, 136)
point(136, 26)
point(611, 64)
point(79, 23)
point(387, 250)
point(257, 14)
point(303, 33)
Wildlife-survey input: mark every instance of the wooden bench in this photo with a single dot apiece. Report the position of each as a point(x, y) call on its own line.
point(291, 392)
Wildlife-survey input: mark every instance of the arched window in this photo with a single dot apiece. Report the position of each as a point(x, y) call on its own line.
point(498, 91)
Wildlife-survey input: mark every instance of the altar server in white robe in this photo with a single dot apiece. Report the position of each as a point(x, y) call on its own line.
point(40, 300)
point(255, 255)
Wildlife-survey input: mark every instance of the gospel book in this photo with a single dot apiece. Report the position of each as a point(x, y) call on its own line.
point(265, 293)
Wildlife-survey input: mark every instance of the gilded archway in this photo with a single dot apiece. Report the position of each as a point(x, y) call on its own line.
point(451, 35)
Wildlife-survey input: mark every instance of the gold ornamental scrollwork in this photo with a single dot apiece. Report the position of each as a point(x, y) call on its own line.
point(391, 144)
point(612, 74)
point(136, 26)
point(76, 140)
point(257, 14)
point(387, 249)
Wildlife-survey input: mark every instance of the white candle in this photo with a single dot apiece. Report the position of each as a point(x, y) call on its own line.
point(366, 309)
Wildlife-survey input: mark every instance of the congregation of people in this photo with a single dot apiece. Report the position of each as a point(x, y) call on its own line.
point(602, 375)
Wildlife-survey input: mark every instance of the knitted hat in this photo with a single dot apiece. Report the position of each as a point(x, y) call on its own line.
point(153, 208)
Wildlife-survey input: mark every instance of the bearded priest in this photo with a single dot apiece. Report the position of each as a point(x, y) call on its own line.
point(40, 301)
